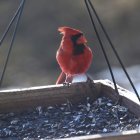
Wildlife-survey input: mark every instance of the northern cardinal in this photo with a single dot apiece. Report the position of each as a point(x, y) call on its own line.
point(73, 55)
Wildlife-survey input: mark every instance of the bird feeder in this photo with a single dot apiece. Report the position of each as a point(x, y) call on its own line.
point(19, 100)
point(22, 99)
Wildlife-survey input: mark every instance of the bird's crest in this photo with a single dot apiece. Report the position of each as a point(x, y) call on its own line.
point(67, 30)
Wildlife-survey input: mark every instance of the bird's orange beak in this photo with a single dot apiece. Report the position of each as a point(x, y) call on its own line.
point(82, 40)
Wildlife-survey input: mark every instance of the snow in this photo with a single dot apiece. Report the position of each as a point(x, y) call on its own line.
point(120, 77)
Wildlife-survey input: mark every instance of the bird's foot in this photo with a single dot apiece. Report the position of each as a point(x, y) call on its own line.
point(67, 84)
point(68, 80)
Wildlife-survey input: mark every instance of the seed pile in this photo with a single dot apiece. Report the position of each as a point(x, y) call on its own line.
point(67, 120)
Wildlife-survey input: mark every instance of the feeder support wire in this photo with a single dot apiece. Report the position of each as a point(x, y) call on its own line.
point(13, 38)
point(114, 50)
point(10, 24)
point(102, 47)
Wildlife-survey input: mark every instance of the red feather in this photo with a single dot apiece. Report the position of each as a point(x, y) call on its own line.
point(73, 55)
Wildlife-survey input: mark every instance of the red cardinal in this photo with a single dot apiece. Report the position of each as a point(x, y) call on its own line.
point(73, 55)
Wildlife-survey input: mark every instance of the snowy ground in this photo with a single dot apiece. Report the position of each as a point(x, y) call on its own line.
point(121, 79)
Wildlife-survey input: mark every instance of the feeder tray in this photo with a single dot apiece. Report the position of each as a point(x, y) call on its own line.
point(22, 99)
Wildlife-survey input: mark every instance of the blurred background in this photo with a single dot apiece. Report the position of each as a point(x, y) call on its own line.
point(32, 61)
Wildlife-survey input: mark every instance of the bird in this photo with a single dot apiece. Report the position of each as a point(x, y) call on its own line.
point(73, 55)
